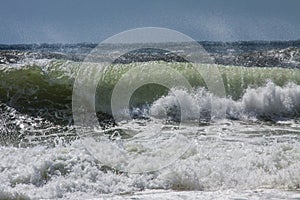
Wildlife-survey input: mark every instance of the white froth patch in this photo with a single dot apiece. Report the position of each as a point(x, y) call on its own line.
point(270, 101)
point(222, 158)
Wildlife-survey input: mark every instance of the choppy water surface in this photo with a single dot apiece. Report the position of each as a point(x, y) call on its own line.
point(253, 152)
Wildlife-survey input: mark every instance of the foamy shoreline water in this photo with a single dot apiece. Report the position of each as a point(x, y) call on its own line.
point(225, 160)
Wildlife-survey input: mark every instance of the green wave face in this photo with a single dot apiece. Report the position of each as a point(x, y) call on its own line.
point(46, 89)
point(235, 79)
point(38, 90)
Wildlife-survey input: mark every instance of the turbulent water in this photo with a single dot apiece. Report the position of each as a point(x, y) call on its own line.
point(253, 151)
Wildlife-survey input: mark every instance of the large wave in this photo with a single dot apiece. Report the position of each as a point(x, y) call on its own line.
point(43, 88)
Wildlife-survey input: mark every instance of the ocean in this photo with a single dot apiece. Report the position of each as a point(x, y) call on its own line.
point(169, 143)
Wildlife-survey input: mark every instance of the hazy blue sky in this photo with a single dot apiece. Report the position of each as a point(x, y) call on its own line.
point(70, 21)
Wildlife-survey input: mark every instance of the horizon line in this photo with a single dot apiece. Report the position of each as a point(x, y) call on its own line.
point(95, 43)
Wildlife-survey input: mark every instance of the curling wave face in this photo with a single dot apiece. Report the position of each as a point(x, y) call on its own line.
point(44, 88)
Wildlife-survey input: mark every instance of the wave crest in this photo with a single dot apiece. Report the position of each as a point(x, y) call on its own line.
point(269, 101)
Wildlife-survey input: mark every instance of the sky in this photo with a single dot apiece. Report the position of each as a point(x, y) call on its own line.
point(73, 21)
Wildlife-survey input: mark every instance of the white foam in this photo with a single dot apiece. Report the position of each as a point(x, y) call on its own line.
point(222, 157)
point(226, 159)
point(216, 195)
point(267, 101)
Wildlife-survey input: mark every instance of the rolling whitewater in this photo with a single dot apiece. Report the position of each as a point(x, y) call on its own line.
point(251, 151)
